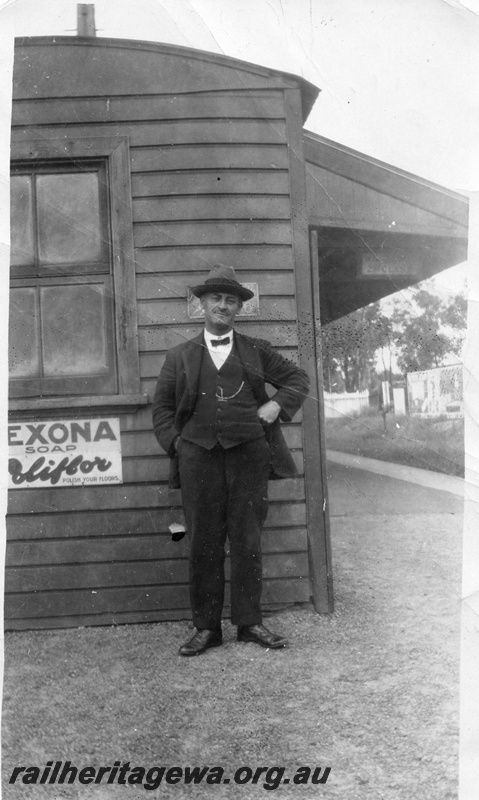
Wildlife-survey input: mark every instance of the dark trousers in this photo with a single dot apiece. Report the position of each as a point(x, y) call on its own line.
point(224, 494)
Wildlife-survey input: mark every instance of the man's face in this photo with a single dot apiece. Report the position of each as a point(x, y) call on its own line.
point(220, 311)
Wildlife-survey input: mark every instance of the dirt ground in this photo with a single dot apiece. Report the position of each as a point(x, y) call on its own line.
point(370, 691)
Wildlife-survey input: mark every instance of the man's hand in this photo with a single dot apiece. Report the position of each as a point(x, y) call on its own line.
point(269, 412)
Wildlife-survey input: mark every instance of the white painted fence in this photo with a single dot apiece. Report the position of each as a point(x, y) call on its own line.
point(346, 404)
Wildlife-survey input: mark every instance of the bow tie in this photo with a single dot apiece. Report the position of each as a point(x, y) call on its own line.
point(217, 342)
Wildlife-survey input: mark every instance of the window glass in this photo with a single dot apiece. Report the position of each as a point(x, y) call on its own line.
point(69, 225)
point(23, 334)
point(21, 220)
point(74, 330)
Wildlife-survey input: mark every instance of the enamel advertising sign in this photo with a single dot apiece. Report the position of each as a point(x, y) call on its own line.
point(64, 453)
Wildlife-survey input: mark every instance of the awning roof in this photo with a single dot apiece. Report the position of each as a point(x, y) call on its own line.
point(379, 228)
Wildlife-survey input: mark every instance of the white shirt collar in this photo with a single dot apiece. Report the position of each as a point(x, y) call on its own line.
point(209, 336)
point(219, 353)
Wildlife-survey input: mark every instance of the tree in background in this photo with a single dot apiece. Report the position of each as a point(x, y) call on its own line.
point(418, 336)
point(349, 347)
point(428, 330)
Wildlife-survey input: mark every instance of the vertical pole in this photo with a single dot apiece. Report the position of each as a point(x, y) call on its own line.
point(86, 19)
point(326, 556)
point(319, 550)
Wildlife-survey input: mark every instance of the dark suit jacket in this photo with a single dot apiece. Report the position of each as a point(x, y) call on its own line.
point(176, 393)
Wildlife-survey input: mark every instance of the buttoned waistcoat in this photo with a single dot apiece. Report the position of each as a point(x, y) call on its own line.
point(177, 390)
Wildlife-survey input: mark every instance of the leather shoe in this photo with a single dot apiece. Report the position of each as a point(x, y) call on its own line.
point(201, 640)
point(261, 635)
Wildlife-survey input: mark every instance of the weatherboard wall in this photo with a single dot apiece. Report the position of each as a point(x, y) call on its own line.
point(210, 171)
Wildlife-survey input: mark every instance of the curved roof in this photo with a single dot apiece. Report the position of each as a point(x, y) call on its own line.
point(258, 74)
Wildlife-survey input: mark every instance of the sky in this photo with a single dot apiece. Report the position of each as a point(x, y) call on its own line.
point(397, 77)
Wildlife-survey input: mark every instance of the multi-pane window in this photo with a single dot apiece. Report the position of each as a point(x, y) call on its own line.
point(73, 314)
point(61, 302)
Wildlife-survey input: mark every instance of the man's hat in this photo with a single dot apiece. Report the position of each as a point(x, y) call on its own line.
point(222, 279)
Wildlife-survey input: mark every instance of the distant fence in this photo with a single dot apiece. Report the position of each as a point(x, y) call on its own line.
point(343, 405)
point(431, 393)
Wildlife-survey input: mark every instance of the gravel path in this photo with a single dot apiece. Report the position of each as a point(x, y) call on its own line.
point(371, 691)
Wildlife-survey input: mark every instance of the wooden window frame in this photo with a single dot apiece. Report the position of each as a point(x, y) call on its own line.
point(115, 151)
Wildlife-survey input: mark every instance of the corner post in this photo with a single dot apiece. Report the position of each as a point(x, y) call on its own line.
point(319, 547)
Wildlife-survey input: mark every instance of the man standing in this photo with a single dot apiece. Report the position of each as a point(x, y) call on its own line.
point(212, 415)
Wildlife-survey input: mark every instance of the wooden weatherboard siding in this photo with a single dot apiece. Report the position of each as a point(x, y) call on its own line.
point(211, 175)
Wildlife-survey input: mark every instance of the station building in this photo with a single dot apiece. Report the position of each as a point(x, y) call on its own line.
point(135, 167)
